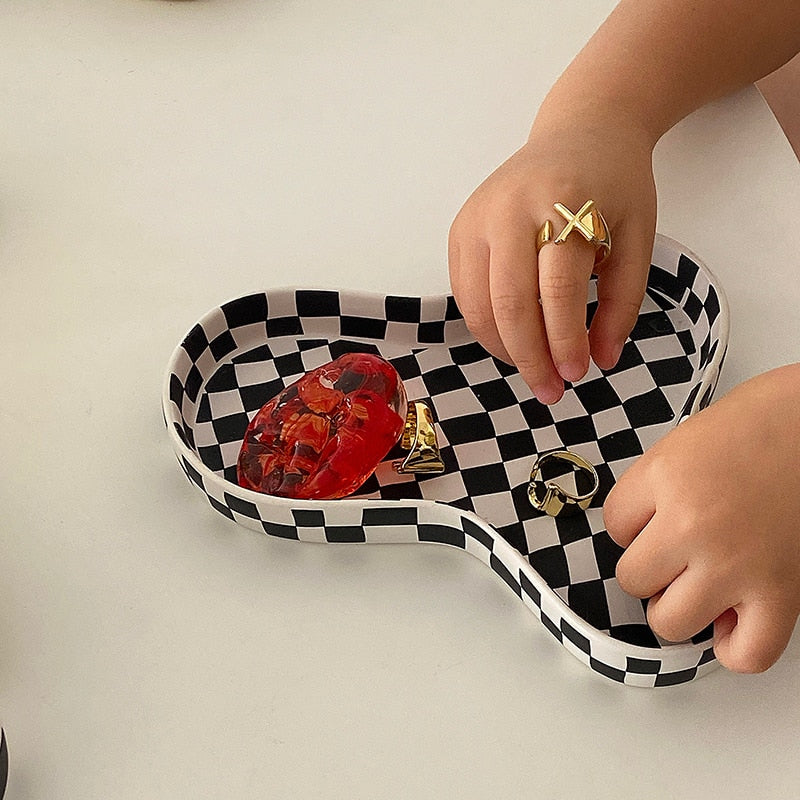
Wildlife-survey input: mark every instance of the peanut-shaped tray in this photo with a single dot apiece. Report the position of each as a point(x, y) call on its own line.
point(490, 429)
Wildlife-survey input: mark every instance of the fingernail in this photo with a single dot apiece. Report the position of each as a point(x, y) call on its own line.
point(549, 394)
point(571, 372)
point(615, 353)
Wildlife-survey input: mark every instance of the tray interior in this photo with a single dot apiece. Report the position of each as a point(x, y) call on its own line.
point(490, 426)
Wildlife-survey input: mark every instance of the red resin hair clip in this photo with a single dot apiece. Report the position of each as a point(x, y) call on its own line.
point(324, 435)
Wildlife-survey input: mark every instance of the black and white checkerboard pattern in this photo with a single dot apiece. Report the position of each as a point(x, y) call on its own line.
point(490, 428)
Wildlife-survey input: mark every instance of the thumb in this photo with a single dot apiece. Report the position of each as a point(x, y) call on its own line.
point(751, 637)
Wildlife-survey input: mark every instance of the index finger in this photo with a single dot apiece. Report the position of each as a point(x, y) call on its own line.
point(514, 292)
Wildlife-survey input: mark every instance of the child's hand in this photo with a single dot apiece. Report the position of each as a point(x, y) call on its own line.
point(711, 519)
point(496, 277)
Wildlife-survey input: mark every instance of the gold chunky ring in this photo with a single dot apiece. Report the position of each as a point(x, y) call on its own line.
point(588, 222)
point(549, 497)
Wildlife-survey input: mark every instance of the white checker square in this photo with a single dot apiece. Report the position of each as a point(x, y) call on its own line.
point(497, 509)
point(246, 335)
point(456, 332)
point(216, 325)
point(433, 308)
point(445, 488)
point(282, 304)
point(321, 327)
point(255, 372)
point(479, 371)
point(610, 420)
point(653, 350)
point(588, 450)
point(315, 357)
point(356, 304)
point(457, 403)
point(477, 549)
point(519, 470)
point(540, 532)
point(206, 362)
point(224, 404)
point(632, 382)
point(432, 358)
point(476, 454)
point(650, 435)
point(182, 363)
point(569, 407)
point(399, 335)
point(230, 453)
point(415, 388)
point(314, 534)
point(581, 561)
point(623, 609)
point(391, 534)
point(547, 439)
point(508, 420)
point(521, 389)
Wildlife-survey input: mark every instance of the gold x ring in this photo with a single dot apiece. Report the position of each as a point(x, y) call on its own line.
point(588, 222)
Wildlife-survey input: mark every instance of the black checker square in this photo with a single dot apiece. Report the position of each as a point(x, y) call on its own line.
point(258, 394)
point(652, 325)
point(230, 428)
point(407, 367)
point(488, 479)
point(596, 395)
point(246, 311)
point(196, 342)
point(629, 358)
point(551, 564)
point(588, 600)
point(671, 371)
point(470, 353)
point(211, 456)
point(290, 365)
point(342, 346)
point(516, 445)
point(403, 309)
point(494, 395)
point(284, 326)
point(607, 554)
point(647, 409)
point(469, 428)
point(431, 332)
point(575, 431)
point(223, 345)
point(620, 445)
point(364, 327)
point(572, 528)
point(484, 417)
point(308, 518)
point(444, 379)
point(317, 303)
point(194, 381)
point(442, 534)
point(477, 533)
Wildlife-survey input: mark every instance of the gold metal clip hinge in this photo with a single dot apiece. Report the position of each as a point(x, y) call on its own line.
point(419, 436)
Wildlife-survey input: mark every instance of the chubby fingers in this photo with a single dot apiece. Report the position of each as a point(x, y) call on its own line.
point(514, 292)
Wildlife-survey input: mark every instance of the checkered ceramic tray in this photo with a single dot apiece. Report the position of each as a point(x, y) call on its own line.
point(490, 429)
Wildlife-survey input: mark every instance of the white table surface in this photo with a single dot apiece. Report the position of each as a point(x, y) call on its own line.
point(158, 158)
